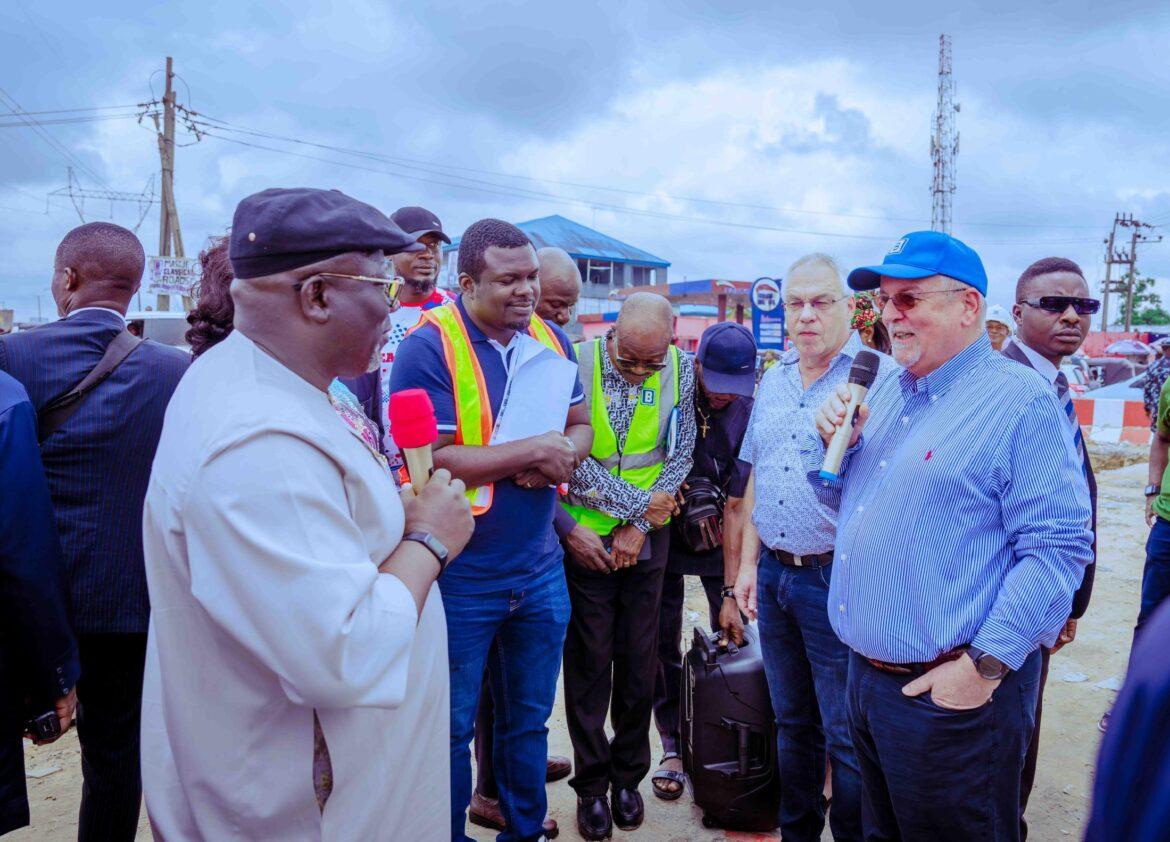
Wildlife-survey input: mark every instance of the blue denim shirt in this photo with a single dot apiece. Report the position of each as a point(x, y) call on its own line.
point(787, 513)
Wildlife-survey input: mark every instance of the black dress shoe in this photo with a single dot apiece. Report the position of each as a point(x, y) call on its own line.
point(593, 819)
point(628, 809)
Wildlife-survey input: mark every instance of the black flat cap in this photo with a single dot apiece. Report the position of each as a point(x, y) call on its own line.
point(281, 229)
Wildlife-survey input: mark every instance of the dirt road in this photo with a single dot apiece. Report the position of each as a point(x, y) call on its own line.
point(1078, 693)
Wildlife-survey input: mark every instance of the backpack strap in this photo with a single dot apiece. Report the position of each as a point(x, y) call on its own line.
point(60, 409)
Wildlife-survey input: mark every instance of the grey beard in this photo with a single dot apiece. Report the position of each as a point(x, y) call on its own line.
point(375, 361)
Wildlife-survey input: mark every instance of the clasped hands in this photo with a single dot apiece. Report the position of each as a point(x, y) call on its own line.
point(554, 458)
point(586, 548)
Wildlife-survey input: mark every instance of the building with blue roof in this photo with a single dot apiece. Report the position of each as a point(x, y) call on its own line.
point(607, 264)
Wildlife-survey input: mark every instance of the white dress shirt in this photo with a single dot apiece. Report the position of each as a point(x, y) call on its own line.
point(1044, 366)
point(265, 522)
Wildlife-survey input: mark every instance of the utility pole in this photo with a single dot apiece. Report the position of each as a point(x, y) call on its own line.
point(944, 142)
point(1119, 255)
point(170, 238)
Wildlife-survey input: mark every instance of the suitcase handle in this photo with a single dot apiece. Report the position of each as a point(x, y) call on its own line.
point(708, 644)
point(743, 732)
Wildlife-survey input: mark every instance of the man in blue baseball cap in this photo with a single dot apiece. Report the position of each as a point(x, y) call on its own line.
point(961, 538)
point(705, 537)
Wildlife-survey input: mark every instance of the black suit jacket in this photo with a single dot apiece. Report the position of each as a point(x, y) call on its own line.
point(98, 462)
point(38, 654)
point(1085, 591)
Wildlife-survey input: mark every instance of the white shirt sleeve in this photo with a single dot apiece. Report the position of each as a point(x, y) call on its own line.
point(279, 564)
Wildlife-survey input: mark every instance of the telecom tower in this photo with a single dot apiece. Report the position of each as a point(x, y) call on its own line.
point(944, 141)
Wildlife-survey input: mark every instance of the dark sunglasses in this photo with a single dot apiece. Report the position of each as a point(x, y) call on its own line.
point(906, 301)
point(1060, 303)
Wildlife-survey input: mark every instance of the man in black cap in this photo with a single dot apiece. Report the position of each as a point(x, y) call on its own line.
point(285, 570)
point(419, 269)
point(705, 538)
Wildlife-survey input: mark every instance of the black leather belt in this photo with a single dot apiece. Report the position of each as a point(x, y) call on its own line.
point(813, 561)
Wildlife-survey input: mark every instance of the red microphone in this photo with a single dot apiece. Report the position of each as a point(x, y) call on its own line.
point(413, 427)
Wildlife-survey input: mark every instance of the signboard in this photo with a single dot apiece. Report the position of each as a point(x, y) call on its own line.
point(172, 275)
point(768, 313)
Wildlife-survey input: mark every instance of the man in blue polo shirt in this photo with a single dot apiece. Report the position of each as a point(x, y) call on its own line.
point(507, 592)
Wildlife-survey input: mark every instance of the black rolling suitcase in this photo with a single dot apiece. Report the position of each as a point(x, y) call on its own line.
point(729, 734)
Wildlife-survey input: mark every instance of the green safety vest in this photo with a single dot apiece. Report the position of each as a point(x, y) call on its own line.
point(640, 462)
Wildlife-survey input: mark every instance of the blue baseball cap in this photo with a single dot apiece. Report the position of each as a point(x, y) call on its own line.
point(923, 254)
point(727, 354)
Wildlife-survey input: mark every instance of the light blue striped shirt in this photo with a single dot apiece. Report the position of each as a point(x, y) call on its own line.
point(787, 513)
point(963, 513)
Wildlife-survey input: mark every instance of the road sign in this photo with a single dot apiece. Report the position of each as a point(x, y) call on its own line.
point(768, 313)
point(172, 275)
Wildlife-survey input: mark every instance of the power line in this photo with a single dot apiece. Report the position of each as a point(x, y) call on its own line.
point(135, 105)
point(502, 190)
point(206, 122)
point(11, 102)
point(62, 121)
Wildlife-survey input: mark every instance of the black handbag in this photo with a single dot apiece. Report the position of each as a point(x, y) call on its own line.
point(700, 526)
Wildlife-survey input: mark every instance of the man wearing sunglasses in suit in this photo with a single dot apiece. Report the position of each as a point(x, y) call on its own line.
point(1052, 314)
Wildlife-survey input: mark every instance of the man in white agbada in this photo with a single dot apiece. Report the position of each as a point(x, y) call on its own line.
point(282, 587)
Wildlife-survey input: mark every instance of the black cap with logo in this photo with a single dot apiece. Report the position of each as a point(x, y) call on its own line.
point(418, 222)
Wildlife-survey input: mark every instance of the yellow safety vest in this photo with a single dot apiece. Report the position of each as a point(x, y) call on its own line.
point(640, 462)
point(473, 407)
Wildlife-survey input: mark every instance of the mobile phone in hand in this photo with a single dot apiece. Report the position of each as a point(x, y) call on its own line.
point(45, 727)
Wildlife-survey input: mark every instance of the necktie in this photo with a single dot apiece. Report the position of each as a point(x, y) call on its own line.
point(1065, 397)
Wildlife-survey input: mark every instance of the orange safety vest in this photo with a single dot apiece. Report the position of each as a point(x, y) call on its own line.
point(473, 408)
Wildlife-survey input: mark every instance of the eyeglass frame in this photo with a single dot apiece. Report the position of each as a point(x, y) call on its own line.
point(391, 286)
point(882, 299)
point(1035, 303)
point(630, 366)
point(816, 305)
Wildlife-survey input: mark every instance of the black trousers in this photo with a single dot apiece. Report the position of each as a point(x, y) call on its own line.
point(611, 654)
point(1028, 777)
point(109, 713)
point(668, 681)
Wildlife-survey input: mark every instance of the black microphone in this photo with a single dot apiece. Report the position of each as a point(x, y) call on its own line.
point(861, 377)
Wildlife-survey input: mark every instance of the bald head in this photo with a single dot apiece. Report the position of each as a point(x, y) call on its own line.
point(560, 285)
point(642, 337)
point(97, 265)
point(646, 313)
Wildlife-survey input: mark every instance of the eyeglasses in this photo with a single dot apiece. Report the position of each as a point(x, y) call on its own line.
point(821, 305)
point(390, 286)
point(1060, 303)
point(636, 365)
point(906, 301)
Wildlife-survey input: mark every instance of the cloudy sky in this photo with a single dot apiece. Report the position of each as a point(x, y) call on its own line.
point(727, 139)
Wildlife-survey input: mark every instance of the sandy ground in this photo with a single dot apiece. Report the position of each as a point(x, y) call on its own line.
point(1079, 691)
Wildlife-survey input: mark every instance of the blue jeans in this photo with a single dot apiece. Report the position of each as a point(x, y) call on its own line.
point(807, 666)
point(521, 632)
point(1156, 575)
point(929, 773)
